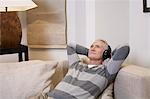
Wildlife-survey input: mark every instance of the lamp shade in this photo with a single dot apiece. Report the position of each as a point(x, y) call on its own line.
point(16, 5)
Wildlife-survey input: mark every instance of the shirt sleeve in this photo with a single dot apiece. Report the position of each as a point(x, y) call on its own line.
point(73, 50)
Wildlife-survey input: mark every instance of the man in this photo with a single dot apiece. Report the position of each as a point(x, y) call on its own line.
point(87, 81)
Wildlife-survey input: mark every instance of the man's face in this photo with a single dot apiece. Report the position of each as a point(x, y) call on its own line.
point(96, 50)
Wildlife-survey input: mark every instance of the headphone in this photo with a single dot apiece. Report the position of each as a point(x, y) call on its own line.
point(107, 53)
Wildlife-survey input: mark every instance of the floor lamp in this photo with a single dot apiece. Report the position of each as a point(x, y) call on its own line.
point(10, 26)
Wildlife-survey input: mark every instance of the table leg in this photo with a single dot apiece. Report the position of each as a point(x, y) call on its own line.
point(26, 55)
point(20, 57)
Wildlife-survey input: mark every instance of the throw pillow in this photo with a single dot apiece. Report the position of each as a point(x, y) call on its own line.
point(22, 80)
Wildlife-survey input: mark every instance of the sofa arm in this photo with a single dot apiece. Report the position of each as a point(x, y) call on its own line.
point(132, 82)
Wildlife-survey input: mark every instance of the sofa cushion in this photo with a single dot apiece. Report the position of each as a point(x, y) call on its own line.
point(108, 92)
point(132, 82)
point(60, 72)
point(22, 80)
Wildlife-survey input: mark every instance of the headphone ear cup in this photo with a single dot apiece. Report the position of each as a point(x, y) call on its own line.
point(107, 53)
point(104, 54)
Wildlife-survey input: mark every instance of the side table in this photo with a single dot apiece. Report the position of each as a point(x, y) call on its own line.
point(21, 49)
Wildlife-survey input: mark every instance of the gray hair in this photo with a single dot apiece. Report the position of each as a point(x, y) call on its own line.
point(104, 41)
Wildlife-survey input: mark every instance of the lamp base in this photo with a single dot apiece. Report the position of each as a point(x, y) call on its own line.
point(10, 30)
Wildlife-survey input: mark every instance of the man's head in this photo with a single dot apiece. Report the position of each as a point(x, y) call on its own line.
point(99, 50)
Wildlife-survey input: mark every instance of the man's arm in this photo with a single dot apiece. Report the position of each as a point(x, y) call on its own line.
point(73, 50)
point(118, 57)
point(81, 50)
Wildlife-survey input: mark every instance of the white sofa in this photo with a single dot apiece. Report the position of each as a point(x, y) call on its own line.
point(33, 79)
